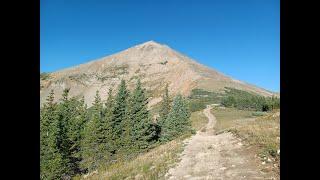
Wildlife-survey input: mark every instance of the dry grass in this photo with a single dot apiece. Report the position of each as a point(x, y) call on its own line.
point(198, 120)
point(229, 117)
point(150, 165)
point(262, 132)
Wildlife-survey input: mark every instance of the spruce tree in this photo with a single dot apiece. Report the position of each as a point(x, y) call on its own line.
point(178, 121)
point(103, 127)
point(109, 124)
point(120, 113)
point(52, 163)
point(65, 115)
point(91, 143)
point(89, 146)
point(142, 132)
point(77, 122)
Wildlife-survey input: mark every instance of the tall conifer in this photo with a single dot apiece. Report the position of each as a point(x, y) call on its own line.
point(120, 113)
point(52, 163)
point(178, 121)
point(142, 131)
point(91, 153)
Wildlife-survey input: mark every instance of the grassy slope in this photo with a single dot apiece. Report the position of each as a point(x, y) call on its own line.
point(261, 132)
point(153, 164)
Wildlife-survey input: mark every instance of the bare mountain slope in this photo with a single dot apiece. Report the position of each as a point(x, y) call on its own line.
point(155, 64)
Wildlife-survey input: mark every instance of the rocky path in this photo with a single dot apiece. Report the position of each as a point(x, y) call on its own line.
point(210, 156)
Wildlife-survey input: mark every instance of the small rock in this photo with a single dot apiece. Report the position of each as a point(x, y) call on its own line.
point(233, 165)
point(138, 176)
point(223, 168)
point(278, 151)
point(263, 163)
point(239, 143)
point(269, 160)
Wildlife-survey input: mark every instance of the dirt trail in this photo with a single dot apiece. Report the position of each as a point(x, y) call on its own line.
point(210, 156)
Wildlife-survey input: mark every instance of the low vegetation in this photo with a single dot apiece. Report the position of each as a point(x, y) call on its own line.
point(198, 120)
point(229, 117)
point(261, 132)
point(245, 100)
point(44, 76)
point(112, 72)
point(163, 63)
point(239, 99)
point(150, 165)
point(199, 98)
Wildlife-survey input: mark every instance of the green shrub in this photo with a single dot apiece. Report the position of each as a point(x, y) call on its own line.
point(163, 63)
point(44, 76)
point(258, 113)
point(199, 98)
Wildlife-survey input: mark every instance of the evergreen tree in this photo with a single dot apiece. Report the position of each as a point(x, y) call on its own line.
point(178, 121)
point(92, 156)
point(109, 124)
point(142, 132)
point(65, 113)
point(77, 122)
point(47, 114)
point(89, 146)
point(103, 127)
point(120, 113)
point(52, 163)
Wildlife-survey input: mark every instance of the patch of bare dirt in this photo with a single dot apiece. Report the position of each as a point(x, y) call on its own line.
point(211, 156)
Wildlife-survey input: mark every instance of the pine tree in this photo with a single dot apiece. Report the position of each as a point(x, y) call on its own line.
point(52, 163)
point(103, 127)
point(120, 113)
point(90, 145)
point(108, 124)
point(142, 132)
point(65, 113)
point(77, 122)
point(47, 113)
point(178, 121)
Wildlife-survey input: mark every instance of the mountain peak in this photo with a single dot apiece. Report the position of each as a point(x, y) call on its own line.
point(154, 63)
point(150, 43)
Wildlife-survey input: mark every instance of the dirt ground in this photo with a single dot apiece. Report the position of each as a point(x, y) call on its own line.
point(222, 156)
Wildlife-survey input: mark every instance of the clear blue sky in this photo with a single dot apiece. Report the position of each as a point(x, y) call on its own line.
point(238, 38)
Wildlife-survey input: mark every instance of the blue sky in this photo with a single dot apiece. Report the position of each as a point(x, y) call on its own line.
point(238, 38)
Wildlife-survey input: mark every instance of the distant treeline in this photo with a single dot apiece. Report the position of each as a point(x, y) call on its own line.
point(75, 139)
point(199, 98)
point(244, 100)
point(232, 98)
